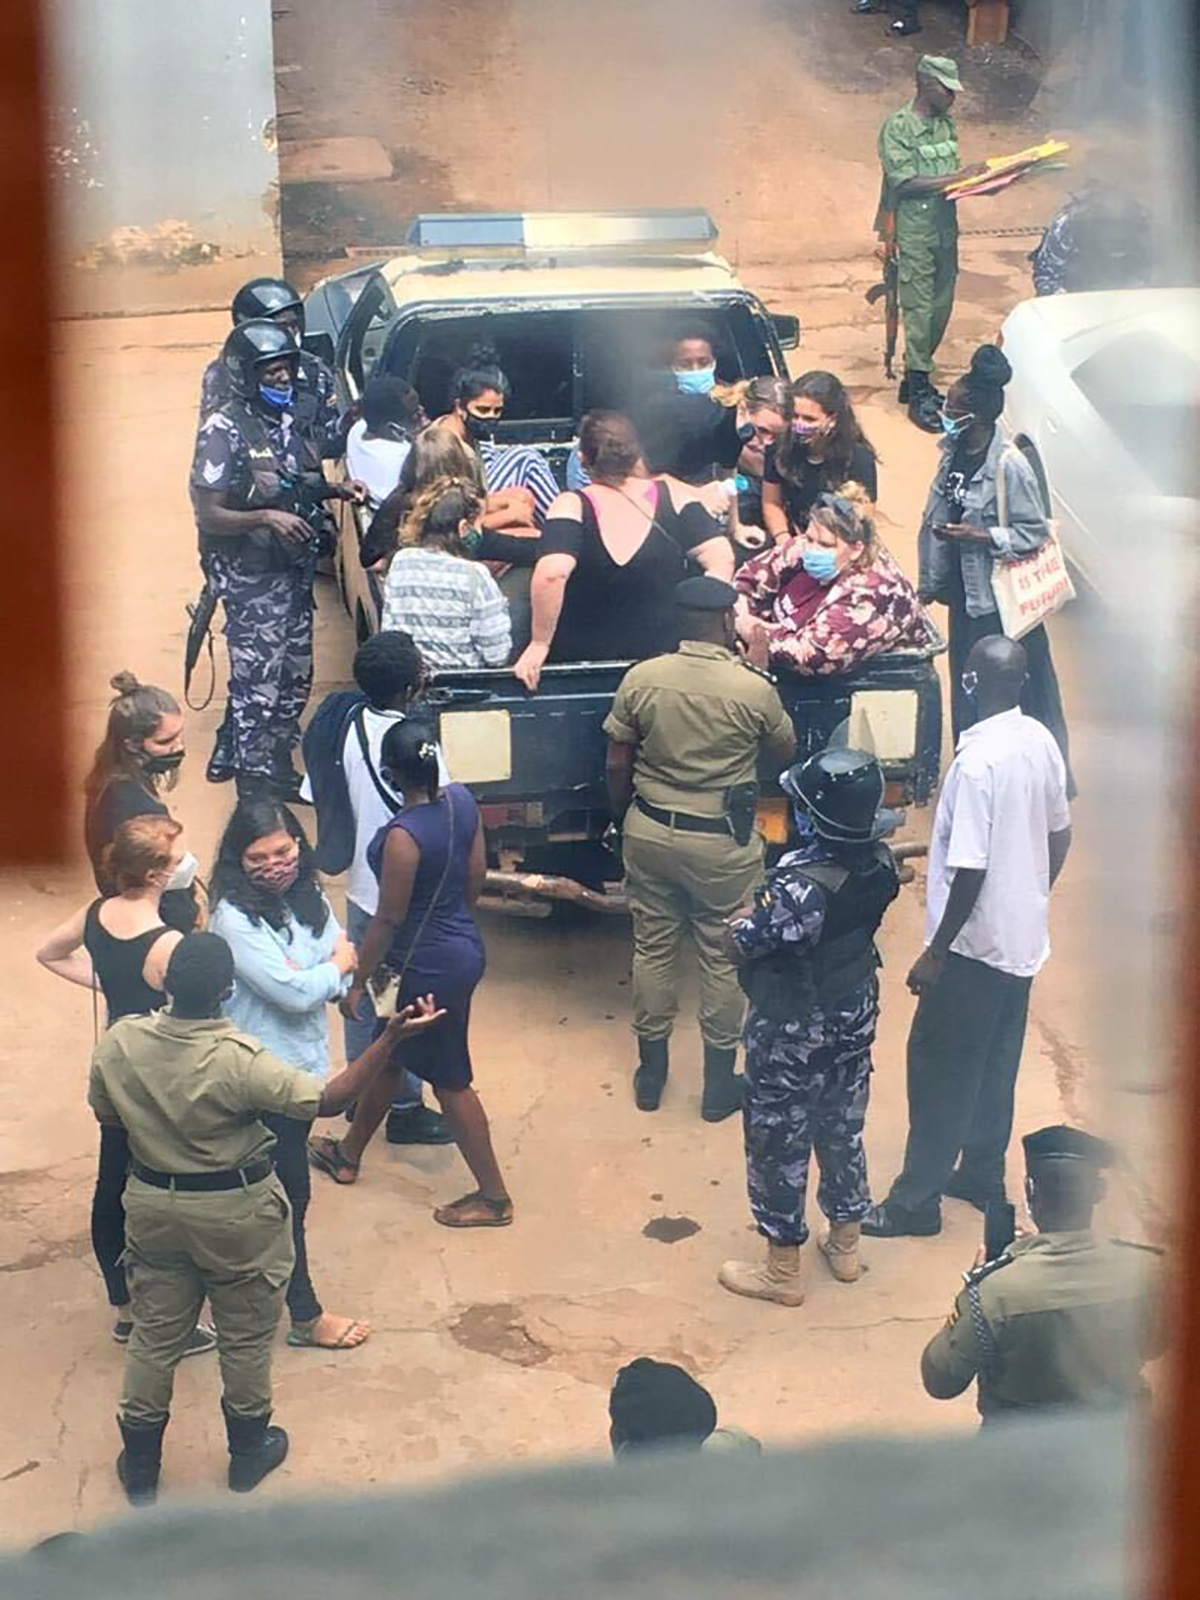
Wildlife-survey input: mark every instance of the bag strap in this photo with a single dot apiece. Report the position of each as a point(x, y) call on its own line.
point(436, 896)
point(1006, 456)
point(360, 728)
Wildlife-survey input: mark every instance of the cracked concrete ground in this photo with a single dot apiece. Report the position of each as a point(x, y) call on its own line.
point(495, 1347)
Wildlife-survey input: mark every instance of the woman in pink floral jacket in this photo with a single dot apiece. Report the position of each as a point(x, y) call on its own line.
point(831, 597)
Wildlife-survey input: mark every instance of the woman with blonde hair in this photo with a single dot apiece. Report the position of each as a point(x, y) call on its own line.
point(829, 598)
point(121, 945)
point(436, 591)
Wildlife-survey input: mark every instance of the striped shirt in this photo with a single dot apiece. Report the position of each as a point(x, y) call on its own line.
point(519, 467)
point(452, 607)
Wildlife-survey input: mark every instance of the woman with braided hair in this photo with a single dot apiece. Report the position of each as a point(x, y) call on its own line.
point(449, 602)
point(430, 860)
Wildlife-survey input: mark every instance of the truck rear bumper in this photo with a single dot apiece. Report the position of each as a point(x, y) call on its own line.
point(529, 894)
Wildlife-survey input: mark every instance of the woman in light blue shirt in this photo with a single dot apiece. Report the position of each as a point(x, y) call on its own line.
point(291, 959)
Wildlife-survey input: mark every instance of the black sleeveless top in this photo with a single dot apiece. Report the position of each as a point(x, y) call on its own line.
point(118, 964)
point(623, 612)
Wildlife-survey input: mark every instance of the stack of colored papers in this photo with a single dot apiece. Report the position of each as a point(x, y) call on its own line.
point(1004, 170)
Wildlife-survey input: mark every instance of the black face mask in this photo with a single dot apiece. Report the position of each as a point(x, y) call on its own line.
point(160, 766)
point(479, 428)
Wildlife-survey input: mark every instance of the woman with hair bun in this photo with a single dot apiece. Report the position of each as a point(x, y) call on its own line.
point(121, 945)
point(430, 860)
point(435, 591)
point(138, 758)
point(612, 555)
point(827, 599)
point(961, 537)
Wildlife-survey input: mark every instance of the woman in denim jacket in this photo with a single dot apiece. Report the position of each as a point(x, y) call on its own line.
point(961, 538)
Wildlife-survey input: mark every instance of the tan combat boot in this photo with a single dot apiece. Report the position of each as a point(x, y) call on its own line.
point(840, 1249)
point(778, 1278)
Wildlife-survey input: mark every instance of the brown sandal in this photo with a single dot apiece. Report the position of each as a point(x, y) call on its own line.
point(326, 1156)
point(475, 1211)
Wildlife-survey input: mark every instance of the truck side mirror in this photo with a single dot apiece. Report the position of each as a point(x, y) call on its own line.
point(321, 345)
point(787, 331)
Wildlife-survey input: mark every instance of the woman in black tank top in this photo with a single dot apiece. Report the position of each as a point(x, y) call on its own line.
point(611, 557)
point(121, 946)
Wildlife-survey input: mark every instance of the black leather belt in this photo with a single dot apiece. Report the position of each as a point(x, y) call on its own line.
point(204, 1182)
point(682, 819)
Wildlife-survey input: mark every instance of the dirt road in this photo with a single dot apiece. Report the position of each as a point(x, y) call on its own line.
point(498, 1347)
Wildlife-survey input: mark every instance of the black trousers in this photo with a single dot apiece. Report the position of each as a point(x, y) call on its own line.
point(108, 1212)
point(291, 1163)
point(964, 1049)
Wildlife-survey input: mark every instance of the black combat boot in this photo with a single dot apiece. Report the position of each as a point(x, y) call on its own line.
point(924, 403)
point(140, 1462)
point(722, 1086)
point(651, 1076)
point(255, 1448)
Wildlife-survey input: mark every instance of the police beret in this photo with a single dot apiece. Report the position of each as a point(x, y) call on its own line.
point(705, 594)
point(1061, 1143)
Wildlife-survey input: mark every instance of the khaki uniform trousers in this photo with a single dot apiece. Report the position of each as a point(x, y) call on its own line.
point(235, 1247)
point(680, 884)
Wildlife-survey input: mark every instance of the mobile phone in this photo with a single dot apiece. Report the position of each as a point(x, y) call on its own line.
point(999, 1228)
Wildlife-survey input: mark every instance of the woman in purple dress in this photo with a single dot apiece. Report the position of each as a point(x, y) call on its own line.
point(430, 861)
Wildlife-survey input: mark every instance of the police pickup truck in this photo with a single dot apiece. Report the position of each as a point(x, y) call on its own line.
point(573, 303)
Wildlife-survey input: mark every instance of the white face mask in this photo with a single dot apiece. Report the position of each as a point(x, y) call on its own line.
point(185, 873)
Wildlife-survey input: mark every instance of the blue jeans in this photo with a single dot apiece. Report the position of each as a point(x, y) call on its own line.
point(366, 1027)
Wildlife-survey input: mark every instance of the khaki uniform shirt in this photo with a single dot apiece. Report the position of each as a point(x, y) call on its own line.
point(698, 718)
point(188, 1093)
point(1060, 1319)
point(911, 147)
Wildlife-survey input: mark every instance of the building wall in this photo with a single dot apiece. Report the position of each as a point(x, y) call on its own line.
point(162, 140)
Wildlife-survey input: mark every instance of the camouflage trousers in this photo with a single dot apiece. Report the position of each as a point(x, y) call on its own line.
point(807, 1086)
point(268, 635)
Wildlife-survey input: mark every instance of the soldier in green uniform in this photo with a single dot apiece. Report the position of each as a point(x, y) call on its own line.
point(685, 733)
point(1060, 1318)
point(205, 1214)
point(918, 150)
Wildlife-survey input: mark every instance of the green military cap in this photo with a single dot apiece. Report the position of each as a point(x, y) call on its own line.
point(943, 69)
point(705, 594)
point(1061, 1143)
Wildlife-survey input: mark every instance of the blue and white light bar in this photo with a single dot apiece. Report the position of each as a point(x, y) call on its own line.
point(561, 232)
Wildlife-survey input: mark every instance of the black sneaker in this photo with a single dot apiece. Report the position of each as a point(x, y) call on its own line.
point(417, 1125)
point(903, 27)
point(960, 1187)
point(892, 1222)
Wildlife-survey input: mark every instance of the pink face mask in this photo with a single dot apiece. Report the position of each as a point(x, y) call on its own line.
point(277, 876)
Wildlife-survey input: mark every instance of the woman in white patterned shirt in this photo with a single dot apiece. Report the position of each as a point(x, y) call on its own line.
point(449, 603)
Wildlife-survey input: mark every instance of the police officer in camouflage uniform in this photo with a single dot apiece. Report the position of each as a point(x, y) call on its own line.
point(1059, 1318)
point(205, 1214)
point(918, 150)
point(809, 965)
point(257, 488)
point(276, 301)
point(684, 738)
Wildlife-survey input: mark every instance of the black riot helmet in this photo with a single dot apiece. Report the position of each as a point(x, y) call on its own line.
point(841, 792)
point(252, 346)
point(266, 297)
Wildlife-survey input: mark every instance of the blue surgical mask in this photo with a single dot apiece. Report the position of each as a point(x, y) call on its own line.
point(699, 380)
point(281, 399)
point(953, 426)
point(820, 563)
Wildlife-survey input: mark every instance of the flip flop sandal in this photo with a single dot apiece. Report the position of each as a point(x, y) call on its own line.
point(301, 1338)
point(475, 1211)
point(326, 1156)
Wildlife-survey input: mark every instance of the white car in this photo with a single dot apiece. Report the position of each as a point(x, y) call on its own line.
point(1105, 402)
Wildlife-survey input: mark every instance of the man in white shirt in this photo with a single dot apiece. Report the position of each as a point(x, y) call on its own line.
point(1000, 837)
point(389, 671)
point(377, 446)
